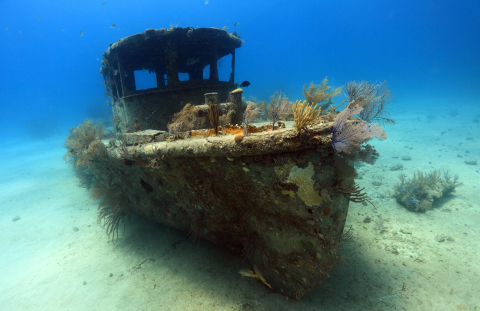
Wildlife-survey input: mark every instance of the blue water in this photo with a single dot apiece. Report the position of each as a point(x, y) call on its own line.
point(428, 51)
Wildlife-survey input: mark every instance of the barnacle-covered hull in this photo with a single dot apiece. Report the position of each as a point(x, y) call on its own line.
point(274, 197)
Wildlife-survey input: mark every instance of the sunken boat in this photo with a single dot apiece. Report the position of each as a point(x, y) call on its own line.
point(274, 194)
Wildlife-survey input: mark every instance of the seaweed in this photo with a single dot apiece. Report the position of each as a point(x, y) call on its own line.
point(87, 154)
point(113, 209)
point(86, 177)
point(187, 117)
point(84, 144)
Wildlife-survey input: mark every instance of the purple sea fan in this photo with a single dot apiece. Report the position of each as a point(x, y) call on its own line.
point(347, 138)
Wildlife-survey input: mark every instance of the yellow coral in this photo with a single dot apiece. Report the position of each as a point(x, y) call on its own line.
point(317, 93)
point(305, 114)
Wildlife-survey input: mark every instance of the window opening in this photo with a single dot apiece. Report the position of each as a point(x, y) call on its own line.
point(145, 80)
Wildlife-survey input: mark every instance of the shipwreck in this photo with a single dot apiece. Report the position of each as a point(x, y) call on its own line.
point(277, 195)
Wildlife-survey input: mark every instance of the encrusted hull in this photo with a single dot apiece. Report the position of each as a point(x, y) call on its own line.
point(273, 197)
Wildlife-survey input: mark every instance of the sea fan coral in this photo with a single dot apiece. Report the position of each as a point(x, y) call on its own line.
point(347, 137)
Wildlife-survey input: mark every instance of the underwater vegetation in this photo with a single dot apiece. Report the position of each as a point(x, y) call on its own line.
point(373, 98)
point(84, 144)
point(213, 115)
point(252, 112)
point(317, 96)
point(277, 108)
point(347, 138)
point(320, 94)
point(305, 114)
point(349, 135)
point(88, 156)
point(113, 209)
point(184, 120)
point(419, 193)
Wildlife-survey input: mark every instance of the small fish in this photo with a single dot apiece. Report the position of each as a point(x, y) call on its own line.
point(81, 33)
point(38, 17)
point(206, 2)
point(113, 26)
point(21, 31)
point(247, 272)
point(323, 104)
point(103, 3)
point(260, 276)
point(402, 189)
point(7, 29)
point(245, 83)
point(192, 61)
point(63, 29)
point(235, 24)
point(417, 201)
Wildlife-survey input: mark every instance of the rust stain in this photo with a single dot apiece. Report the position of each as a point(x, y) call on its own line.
point(326, 211)
point(228, 129)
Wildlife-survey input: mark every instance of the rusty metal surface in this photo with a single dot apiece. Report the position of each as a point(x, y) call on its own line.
point(277, 204)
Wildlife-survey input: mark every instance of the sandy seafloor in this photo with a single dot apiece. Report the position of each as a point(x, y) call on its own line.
point(46, 265)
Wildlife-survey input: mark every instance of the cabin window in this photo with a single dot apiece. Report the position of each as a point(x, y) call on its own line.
point(183, 76)
point(206, 72)
point(145, 80)
point(224, 67)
